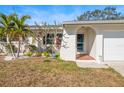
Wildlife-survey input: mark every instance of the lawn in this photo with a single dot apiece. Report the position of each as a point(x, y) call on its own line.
point(37, 72)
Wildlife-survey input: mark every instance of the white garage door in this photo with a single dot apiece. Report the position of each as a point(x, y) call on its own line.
point(114, 49)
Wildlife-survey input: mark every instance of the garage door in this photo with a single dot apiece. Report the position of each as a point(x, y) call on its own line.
point(114, 48)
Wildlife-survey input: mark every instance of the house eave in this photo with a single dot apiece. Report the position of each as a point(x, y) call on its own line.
point(93, 22)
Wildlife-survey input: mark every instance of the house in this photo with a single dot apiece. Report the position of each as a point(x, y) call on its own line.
point(84, 41)
point(101, 40)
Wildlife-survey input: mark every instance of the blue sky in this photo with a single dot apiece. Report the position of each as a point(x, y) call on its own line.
point(50, 13)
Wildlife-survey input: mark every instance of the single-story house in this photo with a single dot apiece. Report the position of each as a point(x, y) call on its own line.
point(94, 41)
point(103, 40)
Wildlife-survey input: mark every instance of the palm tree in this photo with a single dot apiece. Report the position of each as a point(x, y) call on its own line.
point(21, 29)
point(6, 26)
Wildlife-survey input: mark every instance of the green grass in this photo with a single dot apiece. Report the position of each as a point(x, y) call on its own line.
point(49, 72)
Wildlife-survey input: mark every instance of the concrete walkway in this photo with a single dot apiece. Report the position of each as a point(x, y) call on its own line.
point(117, 66)
point(91, 65)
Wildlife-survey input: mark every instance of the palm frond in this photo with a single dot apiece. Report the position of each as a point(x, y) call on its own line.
point(24, 18)
point(3, 18)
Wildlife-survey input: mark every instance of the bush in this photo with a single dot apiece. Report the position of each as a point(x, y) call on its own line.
point(46, 54)
point(49, 49)
point(29, 54)
point(57, 56)
point(32, 48)
point(37, 54)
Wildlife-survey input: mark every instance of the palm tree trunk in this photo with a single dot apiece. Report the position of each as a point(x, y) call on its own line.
point(13, 54)
point(19, 45)
point(10, 44)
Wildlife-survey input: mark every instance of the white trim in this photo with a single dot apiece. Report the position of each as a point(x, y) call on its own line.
point(82, 52)
point(93, 22)
point(86, 61)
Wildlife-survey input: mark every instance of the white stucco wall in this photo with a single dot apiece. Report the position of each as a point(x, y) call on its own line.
point(99, 47)
point(30, 39)
point(107, 31)
point(68, 45)
point(2, 47)
point(94, 42)
point(91, 43)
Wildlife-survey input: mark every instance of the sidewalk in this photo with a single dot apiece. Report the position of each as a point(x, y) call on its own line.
point(91, 65)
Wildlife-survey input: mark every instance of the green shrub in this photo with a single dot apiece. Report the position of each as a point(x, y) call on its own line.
point(28, 54)
point(37, 54)
point(32, 48)
point(49, 49)
point(57, 56)
point(46, 54)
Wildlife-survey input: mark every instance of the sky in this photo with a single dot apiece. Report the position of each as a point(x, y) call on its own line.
point(51, 13)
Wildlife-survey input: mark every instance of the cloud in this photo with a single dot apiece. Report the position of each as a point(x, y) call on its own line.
point(56, 13)
point(51, 13)
point(120, 9)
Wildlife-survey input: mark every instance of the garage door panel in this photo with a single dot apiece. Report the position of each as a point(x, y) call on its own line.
point(114, 49)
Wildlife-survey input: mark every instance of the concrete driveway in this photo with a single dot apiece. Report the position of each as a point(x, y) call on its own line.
point(117, 66)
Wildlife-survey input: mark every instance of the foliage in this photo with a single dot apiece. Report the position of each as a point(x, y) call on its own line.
point(12, 26)
point(58, 56)
point(8, 48)
point(49, 49)
point(108, 13)
point(32, 48)
point(6, 28)
point(28, 54)
point(1, 33)
point(21, 30)
point(37, 54)
point(46, 54)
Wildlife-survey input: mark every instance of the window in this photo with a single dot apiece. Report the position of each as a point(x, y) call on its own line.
point(50, 37)
point(80, 42)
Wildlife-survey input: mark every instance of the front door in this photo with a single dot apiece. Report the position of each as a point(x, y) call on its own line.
point(80, 43)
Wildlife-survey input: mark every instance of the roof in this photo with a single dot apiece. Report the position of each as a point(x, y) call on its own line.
point(46, 27)
point(94, 22)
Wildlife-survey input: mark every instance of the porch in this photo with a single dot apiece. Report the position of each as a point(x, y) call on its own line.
point(85, 44)
point(84, 58)
point(80, 44)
